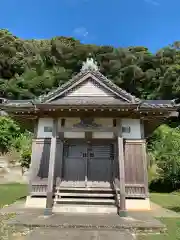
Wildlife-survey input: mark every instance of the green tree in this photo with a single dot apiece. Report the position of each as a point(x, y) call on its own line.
point(8, 131)
point(165, 152)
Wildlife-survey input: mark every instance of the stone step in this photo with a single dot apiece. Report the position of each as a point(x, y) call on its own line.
point(85, 189)
point(82, 194)
point(85, 200)
point(91, 209)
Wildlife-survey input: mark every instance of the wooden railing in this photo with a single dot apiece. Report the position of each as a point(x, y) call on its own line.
point(39, 188)
point(135, 190)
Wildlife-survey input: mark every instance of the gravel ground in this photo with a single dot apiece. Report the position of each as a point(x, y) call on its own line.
point(8, 232)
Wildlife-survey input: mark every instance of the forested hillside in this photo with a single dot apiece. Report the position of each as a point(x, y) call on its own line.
point(29, 68)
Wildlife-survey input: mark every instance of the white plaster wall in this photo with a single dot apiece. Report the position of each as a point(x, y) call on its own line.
point(44, 122)
point(134, 124)
point(135, 128)
point(88, 89)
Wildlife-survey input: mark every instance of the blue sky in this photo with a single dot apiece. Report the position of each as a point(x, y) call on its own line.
point(150, 23)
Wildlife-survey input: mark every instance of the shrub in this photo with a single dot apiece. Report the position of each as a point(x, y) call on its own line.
point(25, 158)
point(22, 147)
point(165, 149)
point(9, 130)
point(23, 144)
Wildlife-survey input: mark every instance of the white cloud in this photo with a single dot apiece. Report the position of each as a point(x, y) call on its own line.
point(153, 2)
point(83, 35)
point(81, 32)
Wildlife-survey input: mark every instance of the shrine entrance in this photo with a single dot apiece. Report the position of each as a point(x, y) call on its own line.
point(88, 165)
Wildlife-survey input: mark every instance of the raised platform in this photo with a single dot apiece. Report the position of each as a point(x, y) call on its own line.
point(74, 234)
point(136, 221)
point(132, 205)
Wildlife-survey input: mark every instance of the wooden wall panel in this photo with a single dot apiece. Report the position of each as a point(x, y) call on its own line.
point(41, 148)
point(134, 162)
point(136, 165)
point(43, 154)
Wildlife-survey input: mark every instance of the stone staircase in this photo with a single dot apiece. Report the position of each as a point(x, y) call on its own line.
point(85, 200)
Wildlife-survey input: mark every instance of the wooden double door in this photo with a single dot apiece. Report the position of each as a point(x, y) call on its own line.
point(88, 165)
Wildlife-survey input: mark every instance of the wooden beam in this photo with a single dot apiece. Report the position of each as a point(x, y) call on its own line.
point(120, 143)
point(88, 136)
point(59, 162)
point(173, 114)
point(36, 122)
point(50, 187)
point(135, 141)
point(88, 129)
point(122, 211)
point(142, 128)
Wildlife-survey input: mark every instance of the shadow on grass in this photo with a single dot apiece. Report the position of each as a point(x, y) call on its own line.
point(175, 209)
point(22, 198)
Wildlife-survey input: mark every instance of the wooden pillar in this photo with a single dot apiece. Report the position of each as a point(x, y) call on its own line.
point(145, 167)
point(59, 155)
point(122, 211)
point(49, 199)
point(144, 155)
point(120, 144)
point(35, 163)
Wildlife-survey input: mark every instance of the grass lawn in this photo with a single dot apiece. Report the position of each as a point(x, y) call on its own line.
point(167, 200)
point(10, 193)
point(170, 201)
point(173, 225)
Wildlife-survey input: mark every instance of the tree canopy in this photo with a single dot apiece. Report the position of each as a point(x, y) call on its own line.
point(29, 68)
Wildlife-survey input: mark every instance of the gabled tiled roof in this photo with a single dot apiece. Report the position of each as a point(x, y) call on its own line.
point(157, 103)
point(82, 74)
point(91, 101)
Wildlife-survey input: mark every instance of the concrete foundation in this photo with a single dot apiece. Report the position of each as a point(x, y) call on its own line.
point(131, 204)
point(138, 204)
point(35, 202)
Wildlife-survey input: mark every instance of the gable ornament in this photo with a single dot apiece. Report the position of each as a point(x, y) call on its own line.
point(89, 65)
